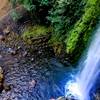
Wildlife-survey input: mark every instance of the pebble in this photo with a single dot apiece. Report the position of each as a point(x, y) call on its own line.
point(32, 83)
point(32, 59)
point(12, 52)
point(40, 52)
point(25, 54)
point(0, 56)
point(2, 38)
point(18, 47)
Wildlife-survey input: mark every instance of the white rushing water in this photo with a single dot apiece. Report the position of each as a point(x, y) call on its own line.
point(90, 68)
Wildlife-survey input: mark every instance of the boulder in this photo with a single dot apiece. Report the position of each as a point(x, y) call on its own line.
point(2, 38)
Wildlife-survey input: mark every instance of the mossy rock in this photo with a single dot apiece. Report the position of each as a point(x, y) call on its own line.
point(35, 32)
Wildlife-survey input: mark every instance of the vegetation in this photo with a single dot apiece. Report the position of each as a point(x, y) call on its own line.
point(79, 35)
point(72, 21)
point(38, 9)
point(36, 31)
point(33, 32)
point(63, 15)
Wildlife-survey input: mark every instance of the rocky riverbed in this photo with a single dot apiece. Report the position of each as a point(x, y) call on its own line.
point(31, 72)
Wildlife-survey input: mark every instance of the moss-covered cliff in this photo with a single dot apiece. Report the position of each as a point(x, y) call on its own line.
point(72, 23)
point(80, 33)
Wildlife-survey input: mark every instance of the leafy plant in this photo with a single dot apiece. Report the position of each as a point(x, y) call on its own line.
point(38, 9)
point(84, 26)
point(63, 15)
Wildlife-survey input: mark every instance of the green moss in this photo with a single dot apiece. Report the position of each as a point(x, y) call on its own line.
point(83, 27)
point(36, 31)
point(33, 32)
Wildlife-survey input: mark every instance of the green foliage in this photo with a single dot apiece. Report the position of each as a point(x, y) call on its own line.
point(83, 27)
point(44, 2)
point(72, 21)
point(63, 15)
point(26, 3)
point(38, 9)
point(32, 4)
point(36, 31)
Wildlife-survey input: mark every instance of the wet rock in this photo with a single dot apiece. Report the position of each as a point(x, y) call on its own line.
point(32, 83)
point(61, 98)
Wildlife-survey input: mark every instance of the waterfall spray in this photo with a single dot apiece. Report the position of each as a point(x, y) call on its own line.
point(85, 79)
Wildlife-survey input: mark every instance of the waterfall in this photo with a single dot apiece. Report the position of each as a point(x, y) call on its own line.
point(86, 77)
